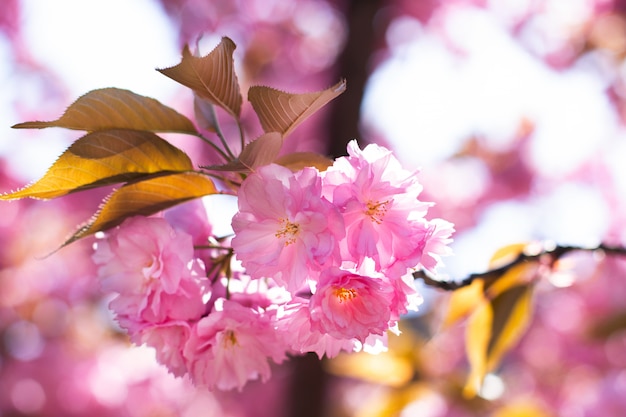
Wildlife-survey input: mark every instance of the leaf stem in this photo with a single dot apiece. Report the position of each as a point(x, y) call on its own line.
point(226, 157)
point(241, 137)
point(220, 135)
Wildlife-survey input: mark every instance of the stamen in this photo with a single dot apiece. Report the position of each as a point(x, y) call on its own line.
point(345, 294)
point(376, 210)
point(229, 338)
point(288, 231)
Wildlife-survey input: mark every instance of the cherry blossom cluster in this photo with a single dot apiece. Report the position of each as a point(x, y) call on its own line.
point(319, 262)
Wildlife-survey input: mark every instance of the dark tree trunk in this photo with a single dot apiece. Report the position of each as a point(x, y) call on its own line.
point(353, 64)
point(310, 381)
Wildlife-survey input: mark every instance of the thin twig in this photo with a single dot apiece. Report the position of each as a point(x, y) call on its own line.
point(216, 148)
point(552, 252)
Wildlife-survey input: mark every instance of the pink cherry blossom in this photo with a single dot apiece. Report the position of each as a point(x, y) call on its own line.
point(150, 266)
point(405, 296)
point(284, 228)
point(436, 243)
point(232, 345)
point(143, 255)
point(134, 312)
point(346, 305)
point(294, 324)
point(191, 217)
point(168, 341)
point(379, 203)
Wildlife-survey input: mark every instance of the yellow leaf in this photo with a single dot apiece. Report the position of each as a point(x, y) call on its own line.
point(387, 368)
point(114, 108)
point(493, 329)
point(211, 77)
point(524, 407)
point(519, 274)
point(506, 254)
point(298, 160)
point(145, 198)
point(281, 112)
point(106, 157)
point(477, 336)
point(512, 312)
point(463, 301)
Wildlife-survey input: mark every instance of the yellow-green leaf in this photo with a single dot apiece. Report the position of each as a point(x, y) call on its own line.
point(493, 329)
point(298, 160)
point(463, 301)
point(519, 274)
point(106, 157)
point(281, 112)
point(506, 254)
point(114, 108)
point(145, 198)
point(211, 77)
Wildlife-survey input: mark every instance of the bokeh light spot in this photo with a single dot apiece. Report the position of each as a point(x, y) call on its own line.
point(28, 396)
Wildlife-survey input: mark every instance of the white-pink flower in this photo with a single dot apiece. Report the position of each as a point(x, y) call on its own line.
point(436, 244)
point(150, 266)
point(191, 217)
point(347, 305)
point(168, 341)
point(285, 229)
point(294, 323)
point(379, 203)
point(143, 254)
point(232, 345)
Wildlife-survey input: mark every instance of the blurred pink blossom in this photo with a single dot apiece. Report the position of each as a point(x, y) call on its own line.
point(231, 346)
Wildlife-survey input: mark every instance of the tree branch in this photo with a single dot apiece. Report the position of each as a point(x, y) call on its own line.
point(548, 254)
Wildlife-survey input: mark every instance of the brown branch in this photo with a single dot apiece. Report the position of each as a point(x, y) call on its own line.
point(547, 254)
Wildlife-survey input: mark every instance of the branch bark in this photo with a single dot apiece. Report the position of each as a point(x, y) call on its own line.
point(548, 255)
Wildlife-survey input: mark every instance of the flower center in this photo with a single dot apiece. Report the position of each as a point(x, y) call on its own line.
point(345, 294)
point(376, 210)
point(288, 231)
point(229, 339)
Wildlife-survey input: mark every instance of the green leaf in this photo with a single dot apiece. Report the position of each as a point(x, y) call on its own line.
point(211, 77)
point(145, 198)
point(282, 112)
point(106, 157)
point(114, 108)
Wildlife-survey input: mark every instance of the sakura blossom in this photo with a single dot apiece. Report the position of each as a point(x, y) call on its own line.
point(294, 323)
point(285, 229)
point(150, 267)
point(231, 346)
point(319, 262)
point(347, 305)
point(379, 203)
